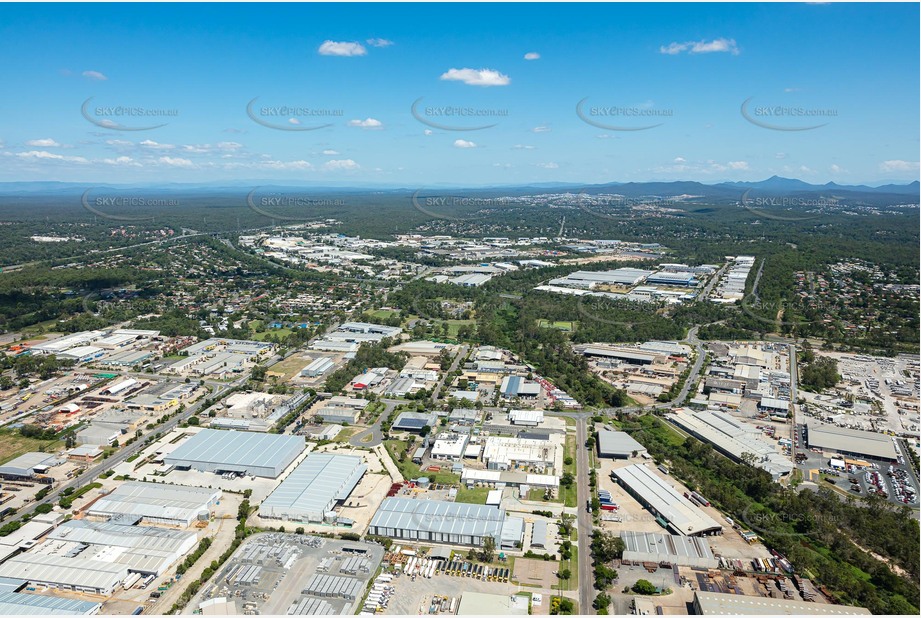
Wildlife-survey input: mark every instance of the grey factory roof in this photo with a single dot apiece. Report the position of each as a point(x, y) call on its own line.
point(437, 516)
point(22, 465)
point(539, 534)
point(117, 535)
point(64, 571)
point(413, 420)
point(16, 604)
point(718, 603)
point(689, 551)
point(618, 443)
point(832, 437)
point(155, 500)
point(236, 448)
point(314, 486)
point(684, 517)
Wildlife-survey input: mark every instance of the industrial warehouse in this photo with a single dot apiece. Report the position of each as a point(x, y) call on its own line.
point(77, 574)
point(735, 439)
point(672, 510)
point(212, 450)
point(311, 491)
point(156, 503)
point(671, 549)
point(445, 522)
point(618, 445)
point(849, 441)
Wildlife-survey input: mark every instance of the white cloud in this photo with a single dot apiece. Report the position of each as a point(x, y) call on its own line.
point(835, 168)
point(94, 75)
point(701, 47)
point(428, 132)
point(680, 160)
point(43, 143)
point(119, 142)
point(330, 153)
point(548, 166)
point(176, 162)
point(367, 123)
point(231, 146)
point(541, 129)
point(791, 89)
point(780, 155)
point(44, 154)
point(337, 165)
point(285, 165)
point(149, 143)
point(532, 56)
point(897, 165)
point(503, 165)
point(342, 48)
point(524, 147)
point(474, 77)
point(462, 143)
point(126, 161)
point(738, 165)
point(379, 42)
point(806, 170)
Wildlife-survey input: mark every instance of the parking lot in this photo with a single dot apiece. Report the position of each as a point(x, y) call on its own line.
point(277, 573)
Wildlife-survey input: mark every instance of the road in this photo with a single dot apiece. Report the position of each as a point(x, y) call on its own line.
point(461, 354)
point(583, 493)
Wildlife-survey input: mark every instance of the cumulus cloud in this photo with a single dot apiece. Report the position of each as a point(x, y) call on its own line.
point(43, 143)
point(149, 143)
point(680, 160)
point(379, 42)
point(342, 48)
point(176, 162)
point(330, 153)
point(897, 165)
point(738, 165)
point(477, 77)
point(285, 165)
point(549, 166)
point(701, 47)
point(49, 156)
point(120, 143)
point(541, 129)
point(462, 143)
point(532, 56)
point(122, 161)
point(523, 147)
point(338, 165)
point(94, 75)
point(367, 123)
point(428, 132)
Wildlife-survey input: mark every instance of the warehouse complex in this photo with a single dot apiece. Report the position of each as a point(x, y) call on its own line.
point(849, 441)
point(722, 604)
point(733, 439)
point(618, 445)
point(672, 510)
point(690, 551)
point(17, 604)
point(77, 574)
point(155, 503)
point(311, 491)
point(453, 523)
point(256, 454)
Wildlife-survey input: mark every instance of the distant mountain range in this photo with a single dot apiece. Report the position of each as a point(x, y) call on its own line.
point(774, 185)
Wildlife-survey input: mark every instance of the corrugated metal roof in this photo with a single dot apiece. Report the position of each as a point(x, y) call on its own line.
point(117, 535)
point(437, 516)
point(65, 571)
point(16, 604)
point(314, 486)
point(618, 443)
point(155, 500)
point(238, 448)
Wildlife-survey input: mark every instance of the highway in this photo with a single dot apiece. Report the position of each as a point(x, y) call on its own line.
point(583, 492)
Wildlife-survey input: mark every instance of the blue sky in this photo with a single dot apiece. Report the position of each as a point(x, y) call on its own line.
point(852, 68)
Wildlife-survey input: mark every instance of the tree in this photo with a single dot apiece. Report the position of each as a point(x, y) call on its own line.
point(487, 553)
point(644, 586)
point(565, 574)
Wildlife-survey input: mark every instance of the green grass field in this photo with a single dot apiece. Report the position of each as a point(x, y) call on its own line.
point(570, 494)
point(474, 495)
point(566, 327)
point(12, 445)
point(382, 313)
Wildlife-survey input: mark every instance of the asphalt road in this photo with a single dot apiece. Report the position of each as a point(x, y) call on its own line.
point(583, 492)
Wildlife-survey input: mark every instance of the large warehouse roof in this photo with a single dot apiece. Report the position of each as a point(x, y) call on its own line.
point(59, 570)
point(117, 535)
point(23, 465)
point(314, 487)
point(834, 438)
point(662, 498)
point(437, 516)
point(156, 501)
point(618, 444)
point(688, 551)
point(719, 603)
point(237, 451)
point(16, 604)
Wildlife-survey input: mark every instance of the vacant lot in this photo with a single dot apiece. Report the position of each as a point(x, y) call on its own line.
point(12, 445)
